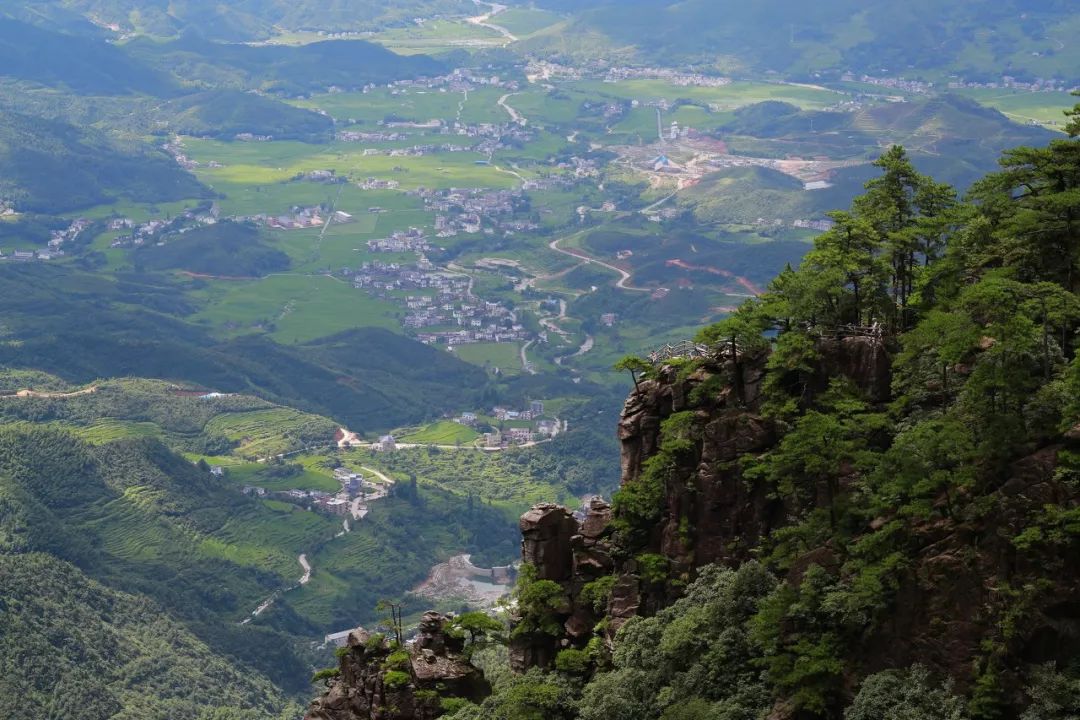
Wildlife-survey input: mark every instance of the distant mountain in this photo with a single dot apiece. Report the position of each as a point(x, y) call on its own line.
point(247, 19)
point(52, 167)
point(1029, 39)
point(283, 69)
point(77, 63)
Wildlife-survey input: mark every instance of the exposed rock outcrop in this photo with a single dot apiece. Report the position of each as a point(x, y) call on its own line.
point(572, 554)
point(377, 682)
point(962, 574)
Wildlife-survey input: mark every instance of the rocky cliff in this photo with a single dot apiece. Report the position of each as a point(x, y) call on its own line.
point(378, 681)
point(961, 584)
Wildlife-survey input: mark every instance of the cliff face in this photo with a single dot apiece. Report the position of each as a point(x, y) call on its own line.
point(572, 554)
point(376, 682)
point(710, 515)
point(964, 582)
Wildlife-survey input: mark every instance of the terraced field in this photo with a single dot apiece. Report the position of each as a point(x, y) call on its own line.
point(261, 475)
point(109, 429)
point(271, 536)
point(442, 433)
point(262, 433)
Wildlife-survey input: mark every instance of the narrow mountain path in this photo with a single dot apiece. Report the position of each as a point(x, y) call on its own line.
point(28, 393)
point(306, 577)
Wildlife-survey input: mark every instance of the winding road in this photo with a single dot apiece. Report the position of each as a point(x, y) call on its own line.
point(525, 364)
point(624, 277)
point(483, 20)
point(303, 559)
point(514, 114)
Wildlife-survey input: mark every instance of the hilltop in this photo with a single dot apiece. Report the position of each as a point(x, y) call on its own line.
point(52, 167)
point(950, 137)
point(227, 113)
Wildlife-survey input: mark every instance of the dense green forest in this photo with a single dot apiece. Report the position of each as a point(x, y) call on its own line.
point(975, 302)
point(51, 167)
point(225, 114)
point(84, 65)
point(72, 647)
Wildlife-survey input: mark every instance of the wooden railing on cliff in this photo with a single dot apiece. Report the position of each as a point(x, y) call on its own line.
point(687, 349)
point(840, 332)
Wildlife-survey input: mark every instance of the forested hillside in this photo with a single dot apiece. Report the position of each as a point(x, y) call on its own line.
point(281, 69)
point(84, 65)
point(52, 167)
point(227, 113)
point(247, 19)
point(138, 328)
point(71, 647)
point(802, 38)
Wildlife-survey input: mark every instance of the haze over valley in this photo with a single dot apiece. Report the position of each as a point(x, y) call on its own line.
point(324, 314)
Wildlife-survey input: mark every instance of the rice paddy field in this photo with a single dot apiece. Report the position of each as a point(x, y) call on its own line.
point(504, 356)
point(292, 308)
point(436, 36)
point(366, 109)
point(269, 163)
point(1043, 108)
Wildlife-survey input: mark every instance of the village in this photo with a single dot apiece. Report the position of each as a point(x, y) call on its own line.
point(450, 305)
point(353, 500)
point(55, 247)
point(528, 426)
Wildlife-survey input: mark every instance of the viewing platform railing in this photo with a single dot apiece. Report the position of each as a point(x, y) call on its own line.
point(686, 349)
